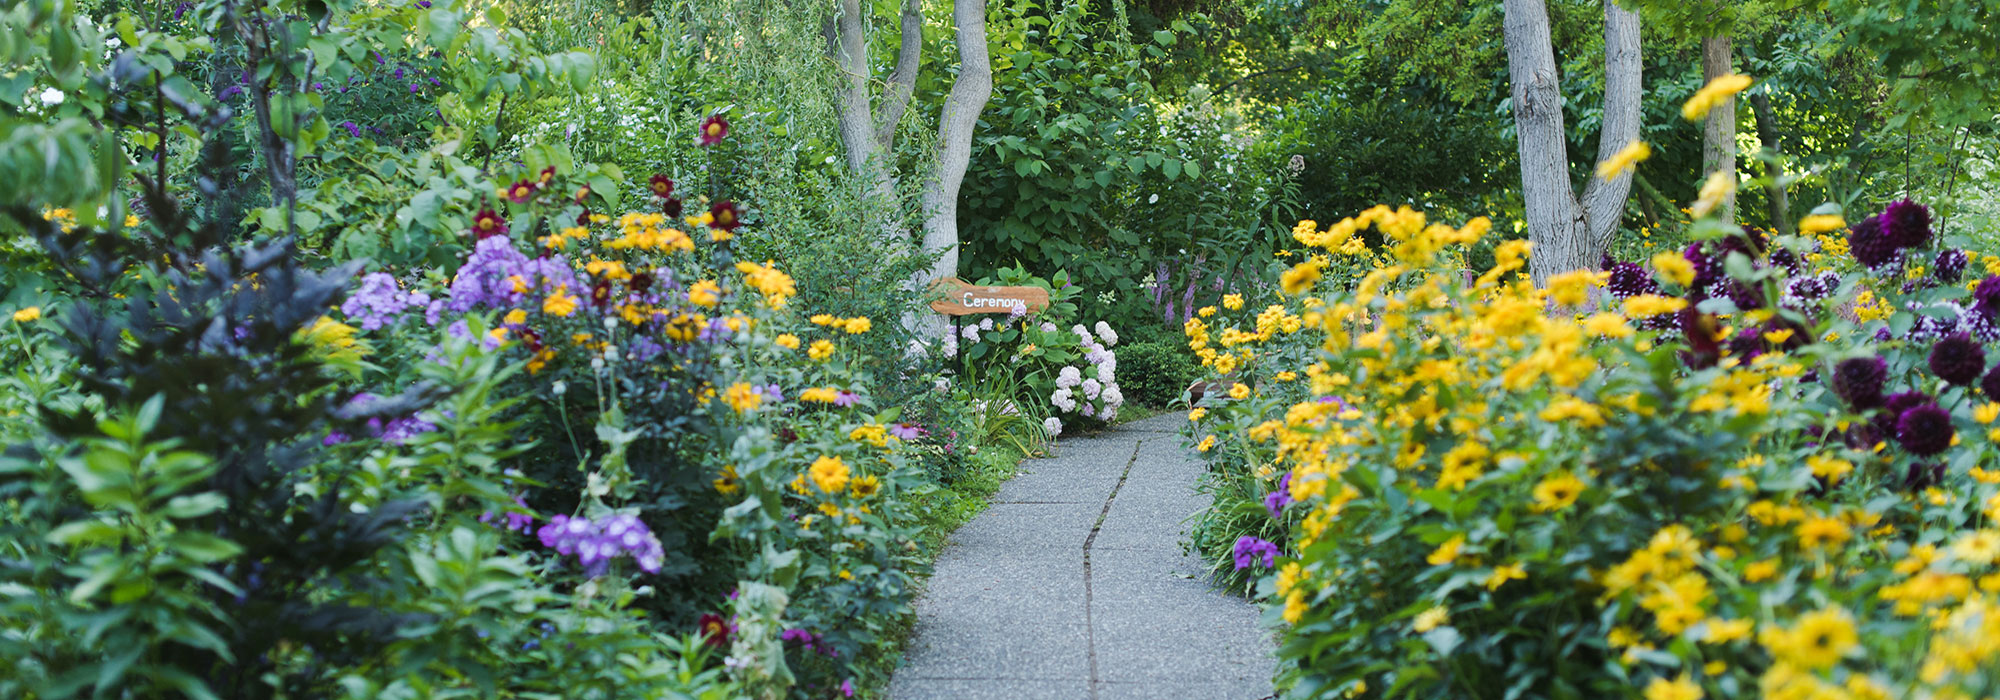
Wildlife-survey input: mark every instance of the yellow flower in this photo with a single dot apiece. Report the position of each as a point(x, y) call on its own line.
point(1722, 631)
point(1432, 619)
point(1447, 552)
point(1761, 571)
point(27, 313)
point(1557, 492)
point(1822, 532)
point(1624, 160)
point(872, 434)
point(1300, 277)
point(516, 317)
point(1719, 186)
point(1713, 94)
point(1820, 223)
point(1678, 689)
point(1980, 547)
point(1819, 640)
point(1287, 376)
point(728, 484)
point(560, 303)
point(705, 293)
point(858, 325)
point(1607, 325)
point(865, 487)
point(1295, 606)
point(1572, 288)
point(742, 397)
point(1207, 443)
point(1239, 391)
point(819, 394)
point(1502, 574)
point(820, 350)
point(1647, 305)
point(829, 474)
point(1832, 469)
point(1675, 268)
point(1985, 413)
point(1196, 415)
point(1232, 301)
point(786, 341)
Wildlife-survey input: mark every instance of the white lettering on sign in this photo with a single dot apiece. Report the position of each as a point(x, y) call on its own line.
point(991, 302)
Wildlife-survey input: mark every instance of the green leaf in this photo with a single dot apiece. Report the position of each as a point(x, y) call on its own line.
point(203, 547)
point(185, 507)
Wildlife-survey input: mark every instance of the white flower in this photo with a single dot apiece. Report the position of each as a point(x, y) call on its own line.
point(950, 346)
point(1017, 310)
point(1104, 331)
point(1068, 377)
point(611, 352)
point(1110, 413)
point(559, 388)
point(971, 333)
point(1091, 387)
point(1155, 199)
point(986, 324)
point(1048, 327)
point(1052, 425)
point(597, 363)
point(1106, 372)
point(1111, 396)
point(52, 97)
point(610, 323)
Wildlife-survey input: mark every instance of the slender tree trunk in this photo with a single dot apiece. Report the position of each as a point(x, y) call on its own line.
point(1569, 233)
point(867, 157)
point(1776, 202)
point(1718, 138)
point(955, 128)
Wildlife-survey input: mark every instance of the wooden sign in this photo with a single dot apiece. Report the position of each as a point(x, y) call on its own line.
point(962, 299)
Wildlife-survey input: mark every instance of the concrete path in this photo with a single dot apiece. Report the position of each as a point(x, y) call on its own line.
point(1072, 586)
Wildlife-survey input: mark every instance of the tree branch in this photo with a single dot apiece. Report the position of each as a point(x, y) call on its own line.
point(902, 80)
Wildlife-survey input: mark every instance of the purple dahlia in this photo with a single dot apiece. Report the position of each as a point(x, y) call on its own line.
point(1858, 381)
point(1924, 430)
point(1958, 359)
point(1869, 245)
point(1949, 266)
point(1907, 224)
point(1630, 279)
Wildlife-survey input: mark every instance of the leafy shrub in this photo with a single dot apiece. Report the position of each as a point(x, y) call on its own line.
point(1156, 373)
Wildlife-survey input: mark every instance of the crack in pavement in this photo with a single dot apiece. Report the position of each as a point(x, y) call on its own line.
point(1089, 627)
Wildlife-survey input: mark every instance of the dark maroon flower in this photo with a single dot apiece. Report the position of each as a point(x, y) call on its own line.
point(487, 224)
point(1986, 297)
point(520, 192)
point(600, 293)
point(546, 177)
point(1990, 384)
point(715, 629)
point(1957, 359)
point(583, 218)
point(1869, 245)
point(1922, 475)
point(671, 207)
point(1629, 279)
point(640, 282)
point(1751, 244)
point(661, 186)
point(713, 130)
point(1706, 270)
point(1907, 224)
point(1858, 381)
point(1924, 430)
point(727, 216)
point(1704, 348)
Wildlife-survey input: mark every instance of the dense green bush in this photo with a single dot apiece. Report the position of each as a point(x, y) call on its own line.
point(1156, 372)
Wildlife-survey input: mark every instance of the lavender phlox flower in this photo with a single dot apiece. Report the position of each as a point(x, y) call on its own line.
point(1278, 498)
point(1251, 549)
point(986, 324)
point(1017, 311)
point(971, 333)
point(378, 302)
point(598, 542)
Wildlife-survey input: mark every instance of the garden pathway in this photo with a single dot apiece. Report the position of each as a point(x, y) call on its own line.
point(1072, 586)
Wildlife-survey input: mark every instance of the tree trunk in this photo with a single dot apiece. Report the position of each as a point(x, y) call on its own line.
point(1718, 137)
point(1569, 234)
point(955, 127)
point(847, 45)
point(1776, 202)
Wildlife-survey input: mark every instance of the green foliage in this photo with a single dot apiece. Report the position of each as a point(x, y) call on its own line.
point(1156, 372)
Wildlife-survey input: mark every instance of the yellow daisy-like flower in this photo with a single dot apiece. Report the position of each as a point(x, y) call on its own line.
point(1718, 187)
point(1713, 94)
point(1823, 533)
point(1982, 547)
point(705, 293)
point(1681, 688)
point(786, 341)
point(1196, 415)
point(1300, 277)
point(872, 434)
point(1207, 443)
point(1820, 223)
point(820, 350)
point(1557, 492)
point(728, 483)
point(1502, 574)
point(561, 303)
point(1431, 619)
point(1624, 160)
point(829, 474)
point(857, 325)
point(27, 313)
point(1649, 305)
point(1239, 391)
point(1446, 553)
point(1819, 640)
point(1674, 268)
point(743, 397)
point(864, 487)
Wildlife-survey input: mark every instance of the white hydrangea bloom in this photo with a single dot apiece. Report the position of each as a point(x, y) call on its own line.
point(1091, 387)
point(1048, 327)
point(1111, 396)
point(1109, 336)
point(971, 333)
point(1107, 372)
point(1068, 377)
point(986, 324)
point(1052, 425)
point(1063, 399)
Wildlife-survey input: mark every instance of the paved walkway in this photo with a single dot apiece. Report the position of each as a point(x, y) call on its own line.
point(1072, 586)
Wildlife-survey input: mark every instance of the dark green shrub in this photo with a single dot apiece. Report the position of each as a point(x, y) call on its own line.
point(1155, 372)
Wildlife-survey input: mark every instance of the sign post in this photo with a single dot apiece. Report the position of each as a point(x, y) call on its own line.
point(963, 299)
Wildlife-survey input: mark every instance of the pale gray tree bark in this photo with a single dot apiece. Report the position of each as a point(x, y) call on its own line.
point(1718, 135)
point(1569, 232)
point(869, 140)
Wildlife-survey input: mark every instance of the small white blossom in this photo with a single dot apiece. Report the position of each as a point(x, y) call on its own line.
point(559, 388)
point(52, 97)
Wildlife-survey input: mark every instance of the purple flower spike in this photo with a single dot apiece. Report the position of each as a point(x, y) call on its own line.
point(1250, 549)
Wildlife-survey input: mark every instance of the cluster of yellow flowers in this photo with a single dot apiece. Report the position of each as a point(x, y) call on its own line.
point(648, 232)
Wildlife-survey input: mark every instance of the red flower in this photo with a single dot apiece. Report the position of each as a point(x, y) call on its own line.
point(548, 176)
point(713, 130)
point(600, 293)
point(661, 185)
point(583, 218)
point(519, 192)
point(727, 216)
point(671, 207)
point(488, 224)
point(715, 630)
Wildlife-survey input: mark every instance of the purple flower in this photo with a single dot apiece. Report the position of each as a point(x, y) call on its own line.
point(399, 72)
point(378, 302)
point(1957, 359)
point(1924, 430)
point(1276, 500)
point(1250, 549)
point(1870, 245)
point(517, 521)
point(1949, 266)
point(1858, 381)
point(596, 543)
point(846, 398)
point(483, 280)
point(1629, 280)
point(353, 129)
point(907, 431)
point(1906, 224)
